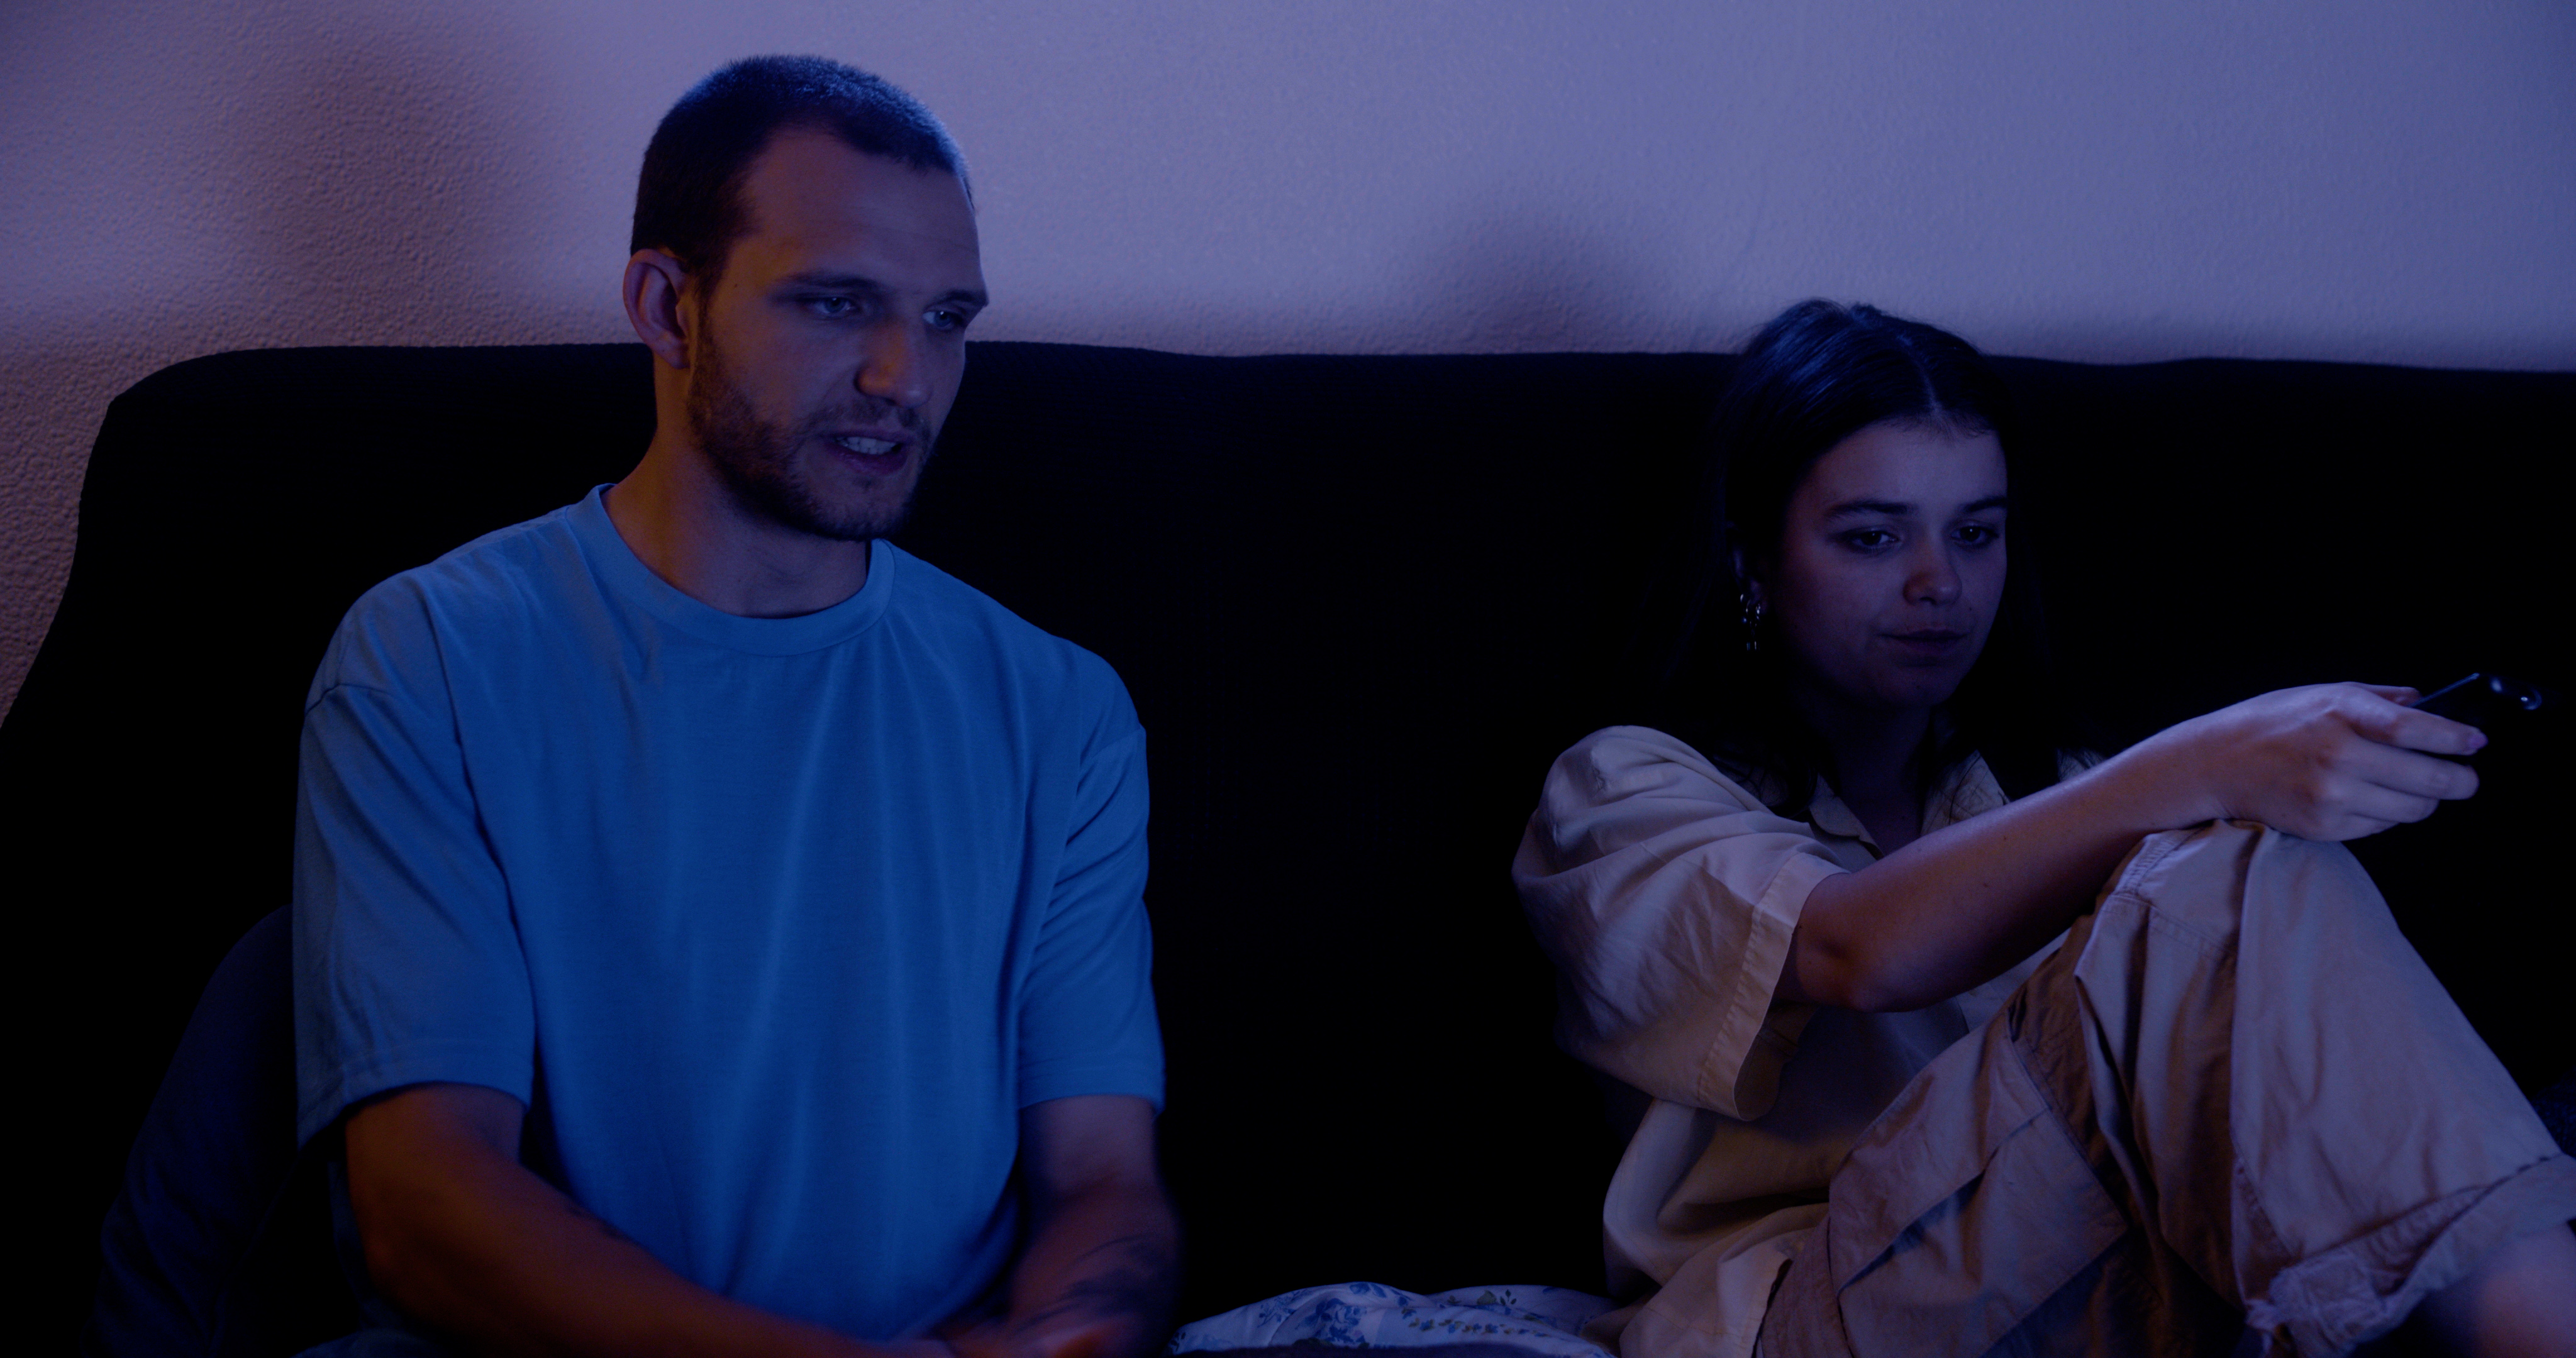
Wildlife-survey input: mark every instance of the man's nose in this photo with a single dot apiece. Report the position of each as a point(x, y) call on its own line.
point(894, 368)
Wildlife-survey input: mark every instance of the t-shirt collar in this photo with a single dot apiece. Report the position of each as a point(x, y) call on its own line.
point(627, 578)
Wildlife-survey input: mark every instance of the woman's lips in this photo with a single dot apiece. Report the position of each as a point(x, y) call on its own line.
point(1927, 643)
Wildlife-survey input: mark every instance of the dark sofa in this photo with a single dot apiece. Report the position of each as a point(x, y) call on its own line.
point(1360, 602)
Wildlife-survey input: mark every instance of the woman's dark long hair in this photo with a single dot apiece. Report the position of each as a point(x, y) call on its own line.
point(1816, 375)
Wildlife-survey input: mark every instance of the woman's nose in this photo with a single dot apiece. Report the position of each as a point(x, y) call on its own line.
point(1935, 580)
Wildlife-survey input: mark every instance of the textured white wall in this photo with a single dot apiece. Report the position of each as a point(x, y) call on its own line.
point(2389, 180)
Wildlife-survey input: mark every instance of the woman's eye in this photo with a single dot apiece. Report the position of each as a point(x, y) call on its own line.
point(1868, 539)
point(1979, 534)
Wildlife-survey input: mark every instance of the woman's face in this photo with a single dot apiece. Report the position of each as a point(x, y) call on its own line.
point(1891, 566)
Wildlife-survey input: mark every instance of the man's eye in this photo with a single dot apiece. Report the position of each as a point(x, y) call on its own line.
point(832, 308)
point(948, 322)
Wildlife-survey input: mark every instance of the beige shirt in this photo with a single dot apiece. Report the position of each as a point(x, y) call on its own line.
point(1667, 892)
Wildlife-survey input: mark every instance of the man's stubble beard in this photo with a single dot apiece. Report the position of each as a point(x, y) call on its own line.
point(758, 460)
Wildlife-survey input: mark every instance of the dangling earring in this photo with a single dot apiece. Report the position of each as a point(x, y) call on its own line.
point(1752, 621)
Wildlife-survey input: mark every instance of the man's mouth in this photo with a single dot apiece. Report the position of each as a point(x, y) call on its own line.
point(866, 446)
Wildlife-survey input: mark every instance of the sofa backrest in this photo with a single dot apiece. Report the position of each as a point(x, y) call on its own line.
point(1360, 602)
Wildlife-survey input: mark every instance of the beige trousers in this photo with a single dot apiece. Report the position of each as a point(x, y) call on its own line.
point(2232, 1114)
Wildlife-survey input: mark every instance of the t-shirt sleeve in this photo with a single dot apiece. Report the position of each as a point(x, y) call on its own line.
point(1667, 893)
point(1087, 1022)
point(407, 967)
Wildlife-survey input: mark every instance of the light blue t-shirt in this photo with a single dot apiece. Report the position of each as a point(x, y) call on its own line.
point(775, 924)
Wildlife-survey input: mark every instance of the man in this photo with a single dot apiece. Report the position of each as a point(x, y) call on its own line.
point(718, 930)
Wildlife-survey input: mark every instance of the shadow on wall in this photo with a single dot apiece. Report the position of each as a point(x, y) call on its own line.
point(1516, 278)
point(366, 184)
point(374, 175)
point(1497, 276)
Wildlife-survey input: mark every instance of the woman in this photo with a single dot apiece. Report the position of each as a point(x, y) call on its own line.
point(1802, 918)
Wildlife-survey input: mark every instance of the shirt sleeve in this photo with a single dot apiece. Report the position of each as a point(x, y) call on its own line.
point(407, 965)
point(1667, 893)
point(1086, 1022)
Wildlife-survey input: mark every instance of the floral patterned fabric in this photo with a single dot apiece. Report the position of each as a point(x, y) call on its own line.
point(1542, 1320)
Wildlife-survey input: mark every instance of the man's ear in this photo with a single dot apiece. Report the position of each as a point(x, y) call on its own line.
point(652, 287)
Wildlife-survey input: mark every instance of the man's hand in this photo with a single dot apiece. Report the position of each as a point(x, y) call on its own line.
point(463, 1237)
point(1102, 1263)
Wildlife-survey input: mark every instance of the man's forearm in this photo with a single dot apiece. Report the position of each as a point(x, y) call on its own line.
point(465, 1239)
point(1099, 1275)
point(1102, 1263)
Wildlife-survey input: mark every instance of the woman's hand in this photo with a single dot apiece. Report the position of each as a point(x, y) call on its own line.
point(1959, 905)
point(2328, 762)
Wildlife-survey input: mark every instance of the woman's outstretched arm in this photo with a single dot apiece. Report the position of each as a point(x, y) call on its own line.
point(1959, 906)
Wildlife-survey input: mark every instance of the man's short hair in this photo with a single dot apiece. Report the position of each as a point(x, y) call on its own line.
point(688, 201)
